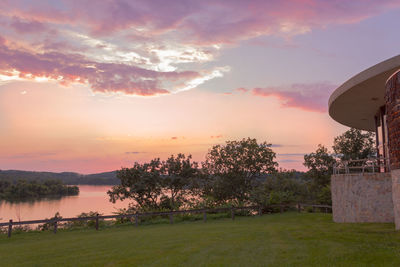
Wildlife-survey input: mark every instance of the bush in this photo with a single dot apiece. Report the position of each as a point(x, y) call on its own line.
point(49, 225)
point(88, 223)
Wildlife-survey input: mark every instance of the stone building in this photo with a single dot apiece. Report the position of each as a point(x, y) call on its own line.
point(369, 190)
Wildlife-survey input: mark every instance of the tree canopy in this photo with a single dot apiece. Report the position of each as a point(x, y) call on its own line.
point(354, 144)
point(157, 184)
point(233, 169)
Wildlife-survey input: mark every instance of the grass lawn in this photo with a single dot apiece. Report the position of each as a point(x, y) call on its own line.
point(288, 239)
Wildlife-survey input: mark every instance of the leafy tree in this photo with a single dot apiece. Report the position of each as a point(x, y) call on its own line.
point(141, 183)
point(320, 165)
point(354, 144)
point(156, 185)
point(178, 173)
point(280, 188)
point(233, 170)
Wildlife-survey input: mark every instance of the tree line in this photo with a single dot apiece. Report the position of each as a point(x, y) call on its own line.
point(237, 173)
point(27, 190)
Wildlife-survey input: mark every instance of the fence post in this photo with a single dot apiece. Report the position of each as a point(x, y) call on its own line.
point(298, 207)
point(55, 226)
point(233, 213)
point(281, 208)
point(136, 220)
point(171, 218)
point(97, 222)
point(10, 228)
point(313, 209)
point(260, 210)
point(204, 216)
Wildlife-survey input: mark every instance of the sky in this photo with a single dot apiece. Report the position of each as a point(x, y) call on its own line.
point(91, 86)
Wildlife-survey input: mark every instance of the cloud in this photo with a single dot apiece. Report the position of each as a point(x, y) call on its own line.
point(32, 155)
point(134, 152)
point(276, 145)
point(309, 97)
point(216, 136)
point(31, 26)
point(292, 154)
point(149, 48)
point(288, 161)
point(199, 21)
point(174, 138)
point(102, 77)
point(242, 90)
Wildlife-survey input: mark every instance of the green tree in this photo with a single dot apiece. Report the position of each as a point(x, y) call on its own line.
point(320, 168)
point(354, 144)
point(320, 163)
point(178, 173)
point(141, 183)
point(233, 170)
point(282, 187)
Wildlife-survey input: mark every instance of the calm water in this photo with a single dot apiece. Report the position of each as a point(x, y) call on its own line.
point(90, 198)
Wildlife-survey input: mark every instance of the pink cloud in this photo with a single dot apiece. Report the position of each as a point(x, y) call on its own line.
point(310, 97)
point(174, 138)
point(242, 90)
point(216, 136)
point(200, 21)
point(138, 47)
point(31, 26)
point(102, 77)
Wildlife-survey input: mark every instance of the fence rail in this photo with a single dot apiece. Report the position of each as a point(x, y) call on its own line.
point(136, 216)
point(370, 165)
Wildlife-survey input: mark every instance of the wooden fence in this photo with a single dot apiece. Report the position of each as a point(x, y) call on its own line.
point(171, 214)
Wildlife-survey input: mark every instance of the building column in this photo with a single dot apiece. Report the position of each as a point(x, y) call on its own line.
point(393, 121)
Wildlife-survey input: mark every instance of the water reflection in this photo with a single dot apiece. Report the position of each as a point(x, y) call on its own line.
point(90, 198)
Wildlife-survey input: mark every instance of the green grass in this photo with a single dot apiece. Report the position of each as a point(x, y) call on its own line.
point(288, 239)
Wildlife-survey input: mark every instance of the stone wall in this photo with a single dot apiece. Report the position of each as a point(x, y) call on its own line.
point(362, 197)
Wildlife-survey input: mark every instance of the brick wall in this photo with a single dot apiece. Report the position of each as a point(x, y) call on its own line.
point(393, 119)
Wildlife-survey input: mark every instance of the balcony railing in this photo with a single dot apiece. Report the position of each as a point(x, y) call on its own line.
point(371, 165)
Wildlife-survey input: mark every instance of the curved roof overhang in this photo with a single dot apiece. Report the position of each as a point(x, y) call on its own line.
point(356, 102)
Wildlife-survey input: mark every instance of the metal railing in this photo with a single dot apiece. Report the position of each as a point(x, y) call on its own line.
point(370, 165)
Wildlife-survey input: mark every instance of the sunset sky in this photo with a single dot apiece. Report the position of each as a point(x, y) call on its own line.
point(90, 86)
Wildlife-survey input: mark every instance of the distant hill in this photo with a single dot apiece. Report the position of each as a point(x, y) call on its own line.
point(104, 178)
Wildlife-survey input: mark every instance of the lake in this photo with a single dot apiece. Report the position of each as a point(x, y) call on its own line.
point(90, 198)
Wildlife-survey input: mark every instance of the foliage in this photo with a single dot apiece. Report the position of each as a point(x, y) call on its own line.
point(49, 225)
point(324, 195)
point(88, 223)
point(283, 187)
point(158, 184)
point(140, 183)
point(177, 173)
point(320, 165)
point(23, 190)
point(352, 144)
point(355, 144)
point(320, 162)
point(234, 169)
point(71, 178)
